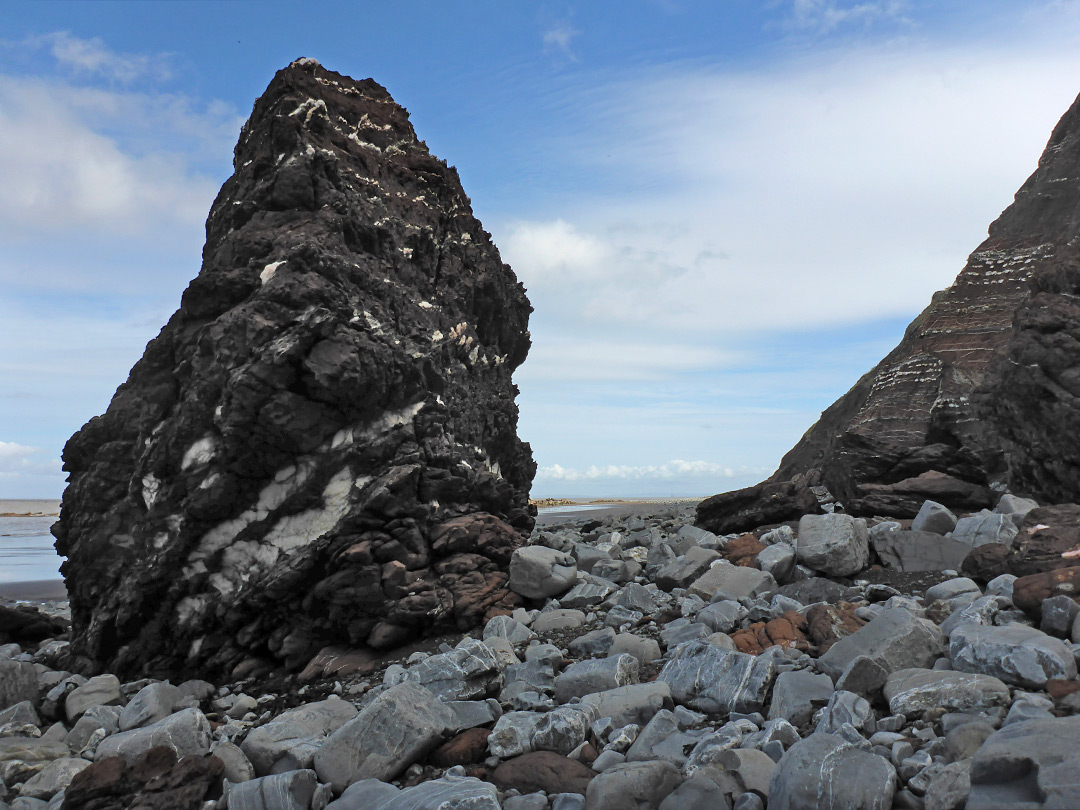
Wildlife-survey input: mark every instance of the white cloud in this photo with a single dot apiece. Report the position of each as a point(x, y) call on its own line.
point(10, 450)
point(20, 461)
point(676, 468)
point(61, 171)
point(559, 38)
point(92, 57)
point(819, 192)
point(827, 15)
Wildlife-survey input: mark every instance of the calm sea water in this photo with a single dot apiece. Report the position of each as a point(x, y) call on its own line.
point(26, 549)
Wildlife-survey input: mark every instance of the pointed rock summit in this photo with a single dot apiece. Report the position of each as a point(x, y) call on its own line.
point(320, 447)
point(983, 391)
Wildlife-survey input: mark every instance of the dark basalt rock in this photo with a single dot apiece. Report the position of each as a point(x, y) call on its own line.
point(320, 447)
point(985, 385)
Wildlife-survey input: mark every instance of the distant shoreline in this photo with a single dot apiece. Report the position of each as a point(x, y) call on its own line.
point(29, 507)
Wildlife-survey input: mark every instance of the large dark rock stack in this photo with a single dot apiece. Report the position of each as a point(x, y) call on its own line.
point(320, 446)
point(983, 389)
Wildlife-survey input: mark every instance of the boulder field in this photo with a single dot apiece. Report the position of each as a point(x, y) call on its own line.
point(820, 663)
point(320, 446)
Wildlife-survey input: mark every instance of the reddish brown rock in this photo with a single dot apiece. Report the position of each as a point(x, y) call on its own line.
point(743, 550)
point(1045, 534)
point(827, 624)
point(543, 770)
point(751, 640)
point(155, 781)
point(1029, 591)
point(339, 662)
point(903, 499)
point(1057, 688)
point(986, 562)
point(466, 748)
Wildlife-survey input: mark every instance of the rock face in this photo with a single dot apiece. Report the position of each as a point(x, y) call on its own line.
point(320, 446)
point(984, 386)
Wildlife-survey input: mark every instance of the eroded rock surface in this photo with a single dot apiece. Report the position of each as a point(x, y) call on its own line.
point(320, 447)
point(984, 387)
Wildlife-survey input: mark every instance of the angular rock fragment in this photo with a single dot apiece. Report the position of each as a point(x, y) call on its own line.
point(320, 447)
point(825, 772)
point(835, 544)
point(914, 691)
point(397, 728)
point(1031, 764)
point(296, 733)
point(895, 639)
point(185, 733)
point(1014, 653)
point(709, 679)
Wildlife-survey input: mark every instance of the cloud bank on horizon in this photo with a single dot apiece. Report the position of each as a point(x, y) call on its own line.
point(717, 242)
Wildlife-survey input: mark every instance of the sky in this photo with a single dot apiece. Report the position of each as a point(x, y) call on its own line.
point(724, 212)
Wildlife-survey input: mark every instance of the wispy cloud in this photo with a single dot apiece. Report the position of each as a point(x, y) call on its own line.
point(558, 39)
point(92, 58)
point(20, 460)
point(828, 15)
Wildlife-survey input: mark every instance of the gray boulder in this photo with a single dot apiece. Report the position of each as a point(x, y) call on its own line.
point(835, 544)
point(799, 693)
point(296, 734)
point(913, 691)
point(24, 756)
point(469, 671)
point(632, 786)
point(1028, 765)
point(510, 629)
point(845, 708)
point(726, 581)
point(284, 791)
point(551, 621)
point(682, 571)
point(596, 675)
point(399, 727)
point(1014, 653)
point(594, 643)
point(956, 591)
point(778, 560)
point(709, 679)
point(101, 690)
point(722, 617)
point(825, 772)
point(53, 778)
point(186, 732)
point(563, 729)
point(919, 551)
point(153, 702)
point(661, 739)
point(451, 792)
point(634, 703)
point(643, 649)
point(933, 517)
point(18, 682)
point(366, 794)
point(985, 527)
point(538, 572)
point(895, 638)
point(537, 675)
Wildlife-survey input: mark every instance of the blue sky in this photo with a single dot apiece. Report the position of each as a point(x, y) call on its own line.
point(724, 212)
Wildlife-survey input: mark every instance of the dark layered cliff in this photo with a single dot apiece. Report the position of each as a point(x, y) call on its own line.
point(983, 387)
point(320, 446)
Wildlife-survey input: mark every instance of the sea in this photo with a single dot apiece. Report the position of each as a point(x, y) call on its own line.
point(26, 547)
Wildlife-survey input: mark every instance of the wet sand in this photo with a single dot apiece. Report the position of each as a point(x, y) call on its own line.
point(25, 508)
point(586, 510)
point(41, 590)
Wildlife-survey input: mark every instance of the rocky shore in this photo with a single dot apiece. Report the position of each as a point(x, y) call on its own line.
point(828, 662)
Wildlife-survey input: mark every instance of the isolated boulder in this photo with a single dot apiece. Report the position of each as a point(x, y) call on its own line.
point(320, 446)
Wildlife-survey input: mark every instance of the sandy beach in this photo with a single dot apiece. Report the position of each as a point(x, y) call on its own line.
point(36, 508)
